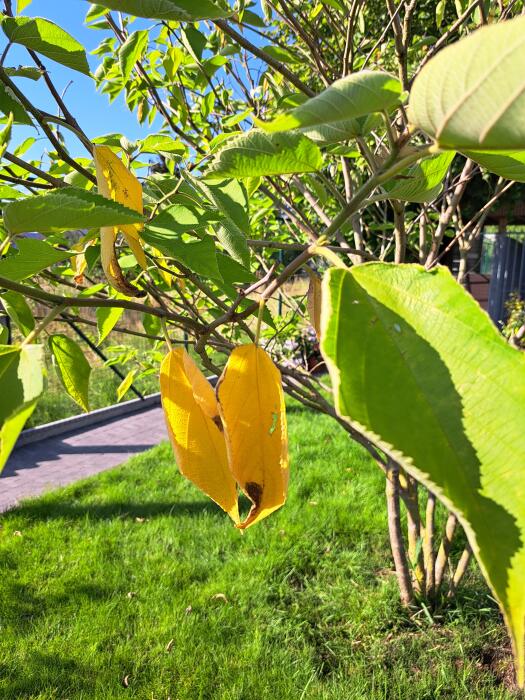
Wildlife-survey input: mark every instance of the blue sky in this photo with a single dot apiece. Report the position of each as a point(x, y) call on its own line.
point(92, 110)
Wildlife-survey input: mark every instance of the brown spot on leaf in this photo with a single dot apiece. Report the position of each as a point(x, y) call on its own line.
point(218, 422)
point(255, 492)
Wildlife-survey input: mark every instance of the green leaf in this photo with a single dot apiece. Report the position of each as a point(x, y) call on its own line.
point(161, 143)
point(32, 256)
point(471, 95)
point(107, 319)
point(48, 39)
point(22, 382)
point(72, 367)
point(419, 369)
point(18, 311)
point(30, 72)
point(257, 153)
point(5, 135)
point(151, 324)
point(64, 209)
point(21, 5)
point(9, 104)
point(132, 51)
point(125, 384)
point(181, 10)
point(421, 182)
point(336, 132)
point(507, 164)
point(355, 96)
point(198, 256)
point(231, 199)
point(182, 218)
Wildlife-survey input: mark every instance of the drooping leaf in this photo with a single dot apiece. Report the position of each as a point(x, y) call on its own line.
point(251, 405)
point(18, 311)
point(32, 256)
point(181, 10)
point(356, 95)
point(313, 301)
point(421, 182)
point(107, 319)
point(30, 72)
point(471, 95)
point(46, 38)
point(115, 182)
point(420, 370)
point(195, 430)
point(64, 209)
point(21, 379)
point(72, 367)
point(256, 153)
point(132, 51)
point(5, 135)
point(125, 384)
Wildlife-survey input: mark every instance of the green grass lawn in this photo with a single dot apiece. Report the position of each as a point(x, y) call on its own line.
point(133, 579)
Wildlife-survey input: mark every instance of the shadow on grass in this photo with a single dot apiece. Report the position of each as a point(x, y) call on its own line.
point(67, 510)
point(45, 670)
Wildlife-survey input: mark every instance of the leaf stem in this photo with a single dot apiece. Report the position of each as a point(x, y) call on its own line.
point(43, 324)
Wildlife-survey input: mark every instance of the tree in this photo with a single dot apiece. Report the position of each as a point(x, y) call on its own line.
point(280, 132)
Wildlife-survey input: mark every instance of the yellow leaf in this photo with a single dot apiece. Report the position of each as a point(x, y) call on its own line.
point(195, 429)
point(116, 182)
point(313, 301)
point(251, 404)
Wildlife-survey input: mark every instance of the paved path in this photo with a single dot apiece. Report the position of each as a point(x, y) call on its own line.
point(57, 461)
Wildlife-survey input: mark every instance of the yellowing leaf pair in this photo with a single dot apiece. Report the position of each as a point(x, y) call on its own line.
point(116, 182)
point(237, 435)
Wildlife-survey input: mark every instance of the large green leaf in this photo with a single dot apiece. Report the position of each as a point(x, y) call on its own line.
point(419, 369)
point(72, 367)
point(21, 379)
point(32, 257)
point(182, 10)
point(46, 38)
point(508, 164)
point(356, 95)
point(182, 218)
point(64, 209)
point(256, 153)
point(421, 182)
point(471, 95)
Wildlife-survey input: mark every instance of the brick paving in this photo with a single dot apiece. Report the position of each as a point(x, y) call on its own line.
point(39, 467)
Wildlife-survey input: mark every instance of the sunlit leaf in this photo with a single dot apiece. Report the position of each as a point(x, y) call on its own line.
point(30, 257)
point(18, 311)
point(46, 38)
point(64, 209)
point(22, 382)
point(256, 153)
point(421, 182)
point(125, 384)
point(182, 10)
point(72, 367)
point(107, 319)
point(471, 95)
point(251, 404)
point(195, 429)
point(356, 95)
point(313, 301)
point(419, 369)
